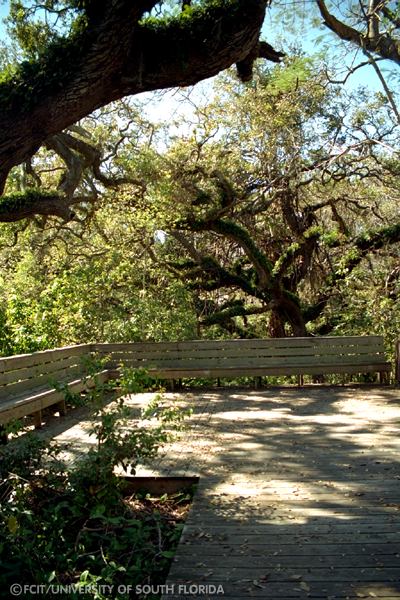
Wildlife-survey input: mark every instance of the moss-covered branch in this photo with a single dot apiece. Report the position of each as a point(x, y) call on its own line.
point(115, 53)
point(209, 275)
point(238, 234)
point(14, 207)
point(367, 243)
point(238, 310)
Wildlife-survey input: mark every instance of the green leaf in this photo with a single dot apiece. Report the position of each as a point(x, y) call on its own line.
point(12, 524)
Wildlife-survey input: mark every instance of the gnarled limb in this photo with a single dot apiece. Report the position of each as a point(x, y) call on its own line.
point(118, 54)
point(32, 202)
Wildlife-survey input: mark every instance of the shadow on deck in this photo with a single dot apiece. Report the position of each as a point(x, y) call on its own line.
point(299, 493)
point(298, 497)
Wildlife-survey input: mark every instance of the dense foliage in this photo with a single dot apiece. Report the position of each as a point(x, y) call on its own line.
point(268, 215)
point(67, 525)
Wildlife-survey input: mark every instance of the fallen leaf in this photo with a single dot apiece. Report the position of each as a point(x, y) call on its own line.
point(304, 586)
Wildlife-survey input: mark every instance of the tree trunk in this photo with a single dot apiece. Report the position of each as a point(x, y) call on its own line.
point(276, 328)
point(285, 310)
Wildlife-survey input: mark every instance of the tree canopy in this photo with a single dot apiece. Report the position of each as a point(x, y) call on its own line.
point(267, 212)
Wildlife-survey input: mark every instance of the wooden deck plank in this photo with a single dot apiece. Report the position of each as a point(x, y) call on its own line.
point(311, 573)
point(374, 555)
point(299, 495)
point(328, 590)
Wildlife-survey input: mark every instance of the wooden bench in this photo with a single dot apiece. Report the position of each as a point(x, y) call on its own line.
point(29, 383)
point(255, 357)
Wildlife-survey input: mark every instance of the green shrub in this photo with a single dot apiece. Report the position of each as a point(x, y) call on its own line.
point(72, 525)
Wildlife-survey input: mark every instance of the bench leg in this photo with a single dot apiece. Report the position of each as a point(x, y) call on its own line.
point(37, 419)
point(172, 385)
point(3, 435)
point(300, 380)
point(257, 383)
point(62, 408)
point(218, 382)
point(383, 378)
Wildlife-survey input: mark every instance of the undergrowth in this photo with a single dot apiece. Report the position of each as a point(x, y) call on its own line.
point(63, 525)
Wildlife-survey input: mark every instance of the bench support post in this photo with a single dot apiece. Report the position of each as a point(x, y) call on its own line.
point(257, 383)
point(62, 409)
point(383, 378)
point(3, 435)
point(397, 362)
point(37, 419)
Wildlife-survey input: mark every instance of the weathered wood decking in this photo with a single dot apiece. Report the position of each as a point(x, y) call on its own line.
point(299, 495)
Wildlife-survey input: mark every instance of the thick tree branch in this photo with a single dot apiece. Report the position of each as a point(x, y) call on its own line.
point(189, 247)
point(20, 206)
point(372, 40)
point(345, 32)
point(238, 234)
point(119, 54)
point(226, 314)
point(261, 50)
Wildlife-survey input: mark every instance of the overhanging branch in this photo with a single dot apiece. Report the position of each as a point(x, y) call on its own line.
point(118, 54)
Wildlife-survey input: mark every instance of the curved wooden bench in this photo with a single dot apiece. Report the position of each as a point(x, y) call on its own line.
point(30, 383)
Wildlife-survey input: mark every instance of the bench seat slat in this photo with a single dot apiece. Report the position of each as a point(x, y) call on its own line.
point(250, 372)
point(43, 397)
point(301, 361)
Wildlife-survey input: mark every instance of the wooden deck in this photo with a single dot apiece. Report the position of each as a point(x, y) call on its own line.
point(299, 493)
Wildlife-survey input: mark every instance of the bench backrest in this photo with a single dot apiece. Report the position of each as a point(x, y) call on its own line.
point(271, 352)
point(27, 372)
